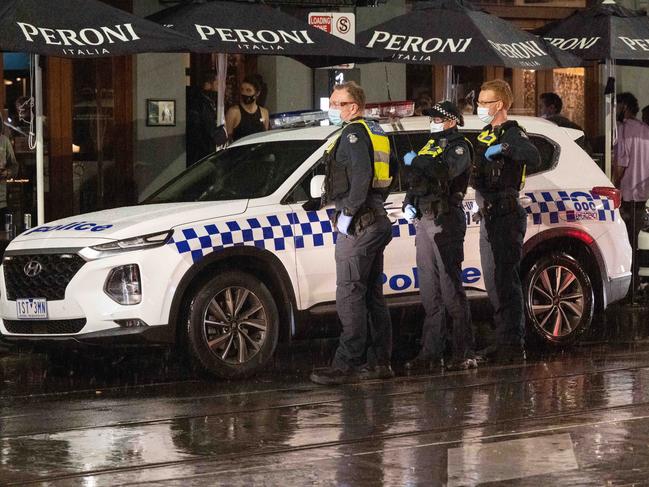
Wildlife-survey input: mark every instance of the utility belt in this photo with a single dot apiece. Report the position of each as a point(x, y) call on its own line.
point(500, 206)
point(363, 219)
point(437, 208)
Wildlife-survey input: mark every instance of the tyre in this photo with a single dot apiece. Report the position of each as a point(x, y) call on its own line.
point(559, 299)
point(233, 325)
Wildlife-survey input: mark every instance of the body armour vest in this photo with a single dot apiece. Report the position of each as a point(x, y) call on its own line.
point(337, 181)
point(503, 174)
point(429, 189)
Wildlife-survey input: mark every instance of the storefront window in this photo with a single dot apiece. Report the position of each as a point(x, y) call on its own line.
point(93, 127)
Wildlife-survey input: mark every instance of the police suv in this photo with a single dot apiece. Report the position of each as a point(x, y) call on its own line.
point(234, 254)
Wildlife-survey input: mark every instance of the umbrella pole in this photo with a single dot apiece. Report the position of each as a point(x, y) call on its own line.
point(40, 149)
point(608, 123)
point(448, 83)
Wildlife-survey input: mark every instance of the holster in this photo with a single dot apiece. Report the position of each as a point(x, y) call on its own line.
point(364, 218)
point(502, 206)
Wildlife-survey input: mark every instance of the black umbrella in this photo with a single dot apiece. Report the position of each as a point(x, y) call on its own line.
point(243, 28)
point(454, 32)
point(603, 31)
point(81, 28)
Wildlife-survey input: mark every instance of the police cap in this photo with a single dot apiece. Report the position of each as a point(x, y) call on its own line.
point(446, 110)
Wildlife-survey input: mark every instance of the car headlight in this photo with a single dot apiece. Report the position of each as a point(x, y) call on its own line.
point(135, 243)
point(123, 285)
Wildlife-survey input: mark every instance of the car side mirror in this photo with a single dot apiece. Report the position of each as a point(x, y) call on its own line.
point(317, 186)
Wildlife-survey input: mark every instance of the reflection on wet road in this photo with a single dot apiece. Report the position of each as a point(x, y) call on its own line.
point(574, 418)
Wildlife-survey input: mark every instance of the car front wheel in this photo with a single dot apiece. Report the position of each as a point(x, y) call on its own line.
point(233, 325)
point(559, 299)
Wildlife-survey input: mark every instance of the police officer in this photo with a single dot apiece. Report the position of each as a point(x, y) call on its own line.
point(358, 181)
point(439, 176)
point(504, 155)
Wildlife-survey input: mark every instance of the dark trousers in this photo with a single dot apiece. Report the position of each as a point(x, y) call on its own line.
point(366, 335)
point(633, 214)
point(504, 234)
point(439, 267)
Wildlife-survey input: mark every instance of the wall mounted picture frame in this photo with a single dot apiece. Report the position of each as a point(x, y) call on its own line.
point(160, 113)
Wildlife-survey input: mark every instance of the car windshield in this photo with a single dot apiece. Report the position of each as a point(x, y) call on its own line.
point(246, 171)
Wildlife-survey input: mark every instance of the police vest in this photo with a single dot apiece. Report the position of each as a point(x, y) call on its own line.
point(458, 184)
point(501, 174)
point(337, 183)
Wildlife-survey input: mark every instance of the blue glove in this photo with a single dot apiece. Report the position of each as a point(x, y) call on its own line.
point(494, 150)
point(407, 159)
point(410, 212)
point(343, 223)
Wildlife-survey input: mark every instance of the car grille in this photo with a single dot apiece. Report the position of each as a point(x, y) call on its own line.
point(44, 327)
point(56, 272)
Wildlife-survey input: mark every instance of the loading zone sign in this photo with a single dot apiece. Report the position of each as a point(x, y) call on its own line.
point(341, 25)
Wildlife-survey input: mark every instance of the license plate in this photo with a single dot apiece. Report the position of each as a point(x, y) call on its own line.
point(32, 309)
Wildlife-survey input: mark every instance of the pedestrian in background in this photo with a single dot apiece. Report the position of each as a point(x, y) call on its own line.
point(437, 184)
point(631, 173)
point(8, 166)
point(247, 117)
point(203, 132)
point(358, 182)
point(645, 114)
point(550, 106)
point(504, 153)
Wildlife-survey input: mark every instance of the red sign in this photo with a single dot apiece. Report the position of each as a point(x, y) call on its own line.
point(322, 22)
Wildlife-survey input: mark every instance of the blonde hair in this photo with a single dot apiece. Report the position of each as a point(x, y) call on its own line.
point(502, 90)
point(355, 92)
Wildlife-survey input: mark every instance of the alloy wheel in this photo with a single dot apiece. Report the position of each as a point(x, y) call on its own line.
point(235, 325)
point(556, 300)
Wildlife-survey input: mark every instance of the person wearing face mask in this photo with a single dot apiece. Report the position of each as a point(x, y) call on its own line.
point(438, 180)
point(358, 180)
point(247, 117)
point(503, 155)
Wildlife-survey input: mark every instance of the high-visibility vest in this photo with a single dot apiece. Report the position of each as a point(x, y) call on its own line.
point(381, 153)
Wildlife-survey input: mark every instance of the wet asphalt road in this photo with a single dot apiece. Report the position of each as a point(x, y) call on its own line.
point(579, 417)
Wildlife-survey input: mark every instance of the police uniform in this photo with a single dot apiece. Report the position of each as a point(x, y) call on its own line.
point(502, 228)
point(438, 180)
point(358, 182)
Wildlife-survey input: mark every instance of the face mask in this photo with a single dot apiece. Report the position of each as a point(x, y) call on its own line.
point(436, 127)
point(334, 116)
point(483, 114)
point(248, 99)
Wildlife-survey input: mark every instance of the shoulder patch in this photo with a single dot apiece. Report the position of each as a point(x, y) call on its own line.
point(352, 138)
point(459, 150)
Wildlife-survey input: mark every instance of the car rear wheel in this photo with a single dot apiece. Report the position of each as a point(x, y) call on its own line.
point(233, 325)
point(559, 299)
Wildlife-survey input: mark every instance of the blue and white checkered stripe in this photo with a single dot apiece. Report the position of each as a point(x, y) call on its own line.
point(551, 207)
point(274, 232)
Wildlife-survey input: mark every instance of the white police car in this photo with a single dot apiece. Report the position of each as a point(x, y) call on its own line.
point(226, 260)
